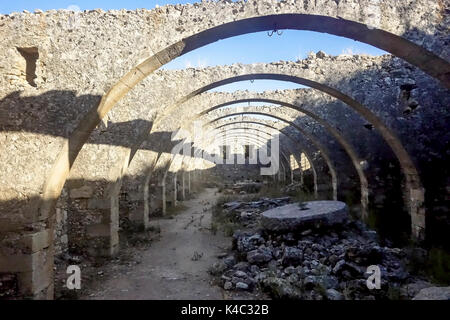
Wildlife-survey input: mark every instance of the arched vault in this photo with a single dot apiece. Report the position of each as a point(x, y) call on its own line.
point(368, 33)
point(414, 193)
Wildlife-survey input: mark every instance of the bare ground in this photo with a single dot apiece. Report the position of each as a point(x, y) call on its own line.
point(173, 267)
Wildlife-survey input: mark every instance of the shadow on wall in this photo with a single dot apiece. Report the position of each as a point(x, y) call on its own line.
point(416, 109)
point(57, 113)
point(82, 209)
point(84, 224)
point(414, 106)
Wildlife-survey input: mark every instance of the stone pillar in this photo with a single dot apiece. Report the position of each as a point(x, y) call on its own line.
point(103, 237)
point(95, 220)
point(416, 200)
point(302, 181)
point(316, 191)
point(163, 197)
point(147, 197)
point(183, 185)
point(175, 190)
point(138, 214)
point(292, 175)
point(189, 182)
point(26, 264)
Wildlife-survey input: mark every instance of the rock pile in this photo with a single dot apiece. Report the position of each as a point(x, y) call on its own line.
point(243, 187)
point(314, 264)
point(293, 187)
point(248, 213)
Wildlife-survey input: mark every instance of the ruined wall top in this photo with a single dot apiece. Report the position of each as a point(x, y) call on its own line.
point(105, 45)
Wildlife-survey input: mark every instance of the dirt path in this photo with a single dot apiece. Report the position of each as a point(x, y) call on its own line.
point(175, 266)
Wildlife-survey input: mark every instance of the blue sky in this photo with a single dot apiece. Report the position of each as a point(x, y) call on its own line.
point(251, 48)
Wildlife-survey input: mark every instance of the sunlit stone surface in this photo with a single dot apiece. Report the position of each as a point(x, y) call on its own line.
point(303, 215)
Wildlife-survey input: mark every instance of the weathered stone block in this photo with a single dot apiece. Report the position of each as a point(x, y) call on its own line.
point(35, 282)
point(135, 196)
point(24, 262)
point(34, 242)
point(99, 203)
point(98, 230)
point(25, 242)
point(84, 192)
point(137, 215)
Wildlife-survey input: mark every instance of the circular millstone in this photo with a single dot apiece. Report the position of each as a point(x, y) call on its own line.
point(297, 216)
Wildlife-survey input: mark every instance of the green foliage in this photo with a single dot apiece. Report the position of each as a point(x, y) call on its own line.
point(222, 219)
point(229, 228)
point(228, 222)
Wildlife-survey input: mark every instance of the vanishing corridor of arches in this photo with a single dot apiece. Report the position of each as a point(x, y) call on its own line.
point(105, 139)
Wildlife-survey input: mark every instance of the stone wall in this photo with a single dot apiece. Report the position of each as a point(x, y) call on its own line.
point(76, 50)
point(56, 66)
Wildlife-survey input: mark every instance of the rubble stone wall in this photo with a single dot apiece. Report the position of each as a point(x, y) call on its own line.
point(56, 66)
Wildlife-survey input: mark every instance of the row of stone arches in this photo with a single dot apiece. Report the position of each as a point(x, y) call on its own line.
point(403, 48)
point(356, 26)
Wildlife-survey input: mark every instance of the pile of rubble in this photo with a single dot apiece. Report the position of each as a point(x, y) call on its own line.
point(328, 262)
point(248, 213)
point(293, 187)
point(243, 187)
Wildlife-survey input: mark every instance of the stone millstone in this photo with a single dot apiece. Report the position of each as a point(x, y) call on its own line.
point(294, 217)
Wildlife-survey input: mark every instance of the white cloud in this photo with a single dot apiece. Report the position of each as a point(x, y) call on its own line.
point(74, 7)
point(202, 63)
point(351, 51)
point(348, 50)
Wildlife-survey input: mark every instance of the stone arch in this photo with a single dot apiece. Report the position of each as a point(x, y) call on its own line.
point(323, 153)
point(333, 24)
point(347, 147)
point(314, 171)
point(283, 153)
point(326, 157)
point(314, 141)
point(352, 154)
point(414, 189)
point(293, 151)
point(435, 66)
point(254, 140)
point(415, 192)
point(249, 138)
point(164, 184)
point(177, 164)
point(166, 169)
